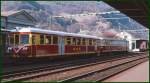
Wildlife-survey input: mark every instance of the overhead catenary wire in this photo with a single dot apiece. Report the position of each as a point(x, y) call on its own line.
point(129, 29)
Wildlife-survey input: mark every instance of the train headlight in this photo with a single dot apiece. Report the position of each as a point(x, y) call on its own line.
point(9, 48)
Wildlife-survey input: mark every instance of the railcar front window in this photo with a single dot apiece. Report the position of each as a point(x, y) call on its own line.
point(24, 39)
point(11, 40)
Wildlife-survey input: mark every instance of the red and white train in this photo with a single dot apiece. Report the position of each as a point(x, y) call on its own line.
point(33, 42)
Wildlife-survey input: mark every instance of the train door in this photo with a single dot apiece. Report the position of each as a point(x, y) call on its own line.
point(61, 46)
point(33, 46)
point(87, 43)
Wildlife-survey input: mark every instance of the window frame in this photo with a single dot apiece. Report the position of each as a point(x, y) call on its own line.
point(20, 41)
point(50, 36)
point(11, 36)
point(78, 41)
point(37, 39)
point(83, 41)
point(74, 41)
point(53, 39)
point(42, 41)
point(90, 42)
point(68, 40)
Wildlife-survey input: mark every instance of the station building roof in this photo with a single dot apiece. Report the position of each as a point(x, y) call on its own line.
point(11, 13)
point(136, 9)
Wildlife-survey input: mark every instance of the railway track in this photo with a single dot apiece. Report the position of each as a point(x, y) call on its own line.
point(101, 74)
point(9, 70)
point(15, 70)
point(55, 74)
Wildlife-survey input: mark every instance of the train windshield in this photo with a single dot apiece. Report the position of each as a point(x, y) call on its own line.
point(24, 39)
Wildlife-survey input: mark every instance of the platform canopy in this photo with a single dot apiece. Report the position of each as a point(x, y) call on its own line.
point(136, 9)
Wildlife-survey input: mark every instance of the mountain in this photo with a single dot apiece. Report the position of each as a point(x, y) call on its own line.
point(98, 24)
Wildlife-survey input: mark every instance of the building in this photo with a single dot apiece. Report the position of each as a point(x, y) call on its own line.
point(12, 19)
point(4, 34)
point(135, 42)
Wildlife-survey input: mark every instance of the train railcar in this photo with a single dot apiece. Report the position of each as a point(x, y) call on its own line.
point(113, 45)
point(33, 42)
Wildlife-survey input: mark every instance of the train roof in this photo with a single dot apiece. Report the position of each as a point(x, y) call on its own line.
point(114, 39)
point(5, 30)
point(37, 30)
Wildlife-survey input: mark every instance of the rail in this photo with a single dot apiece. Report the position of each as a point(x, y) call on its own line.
point(43, 72)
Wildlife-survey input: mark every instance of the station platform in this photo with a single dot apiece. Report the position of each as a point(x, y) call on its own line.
point(139, 73)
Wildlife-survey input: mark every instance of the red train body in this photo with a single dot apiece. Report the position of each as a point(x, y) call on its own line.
point(32, 42)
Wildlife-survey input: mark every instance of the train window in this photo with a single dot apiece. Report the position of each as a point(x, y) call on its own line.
point(90, 41)
point(99, 42)
point(94, 42)
point(16, 39)
point(68, 41)
point(113, 42)
point(87, 42)
point(48, 39)
point(106, 42)
point(78, 41)
point(74, 41)
point(103, 43)
point(33, 39)
point(55, 39)
point(83, 41)
point(36, 39)
point(41, 39)
point(110, 42)
point(24, 39)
